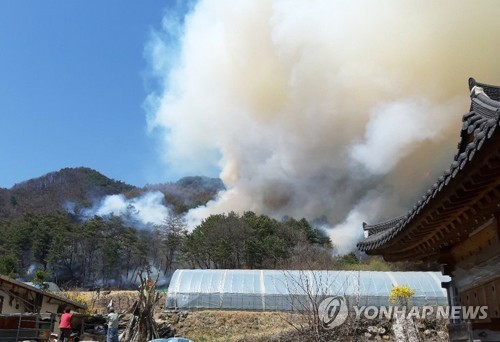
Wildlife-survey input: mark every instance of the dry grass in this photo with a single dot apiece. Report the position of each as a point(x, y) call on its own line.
point(97, 302)
point(206, 325)
point(232, 326)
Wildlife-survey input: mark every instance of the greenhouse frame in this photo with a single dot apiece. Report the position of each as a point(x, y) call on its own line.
point(291, 290)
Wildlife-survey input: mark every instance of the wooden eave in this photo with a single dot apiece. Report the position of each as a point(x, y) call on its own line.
point(30, 293)
point(464, 197)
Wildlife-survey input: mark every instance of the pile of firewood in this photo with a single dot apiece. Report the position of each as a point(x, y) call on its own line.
point(142, 326)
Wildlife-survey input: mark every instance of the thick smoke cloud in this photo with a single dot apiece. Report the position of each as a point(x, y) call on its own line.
point(344, 110)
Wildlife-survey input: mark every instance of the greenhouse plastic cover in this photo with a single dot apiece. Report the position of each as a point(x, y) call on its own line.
point(287, 290)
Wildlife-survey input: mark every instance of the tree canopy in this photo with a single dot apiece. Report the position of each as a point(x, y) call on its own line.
point(107, 251)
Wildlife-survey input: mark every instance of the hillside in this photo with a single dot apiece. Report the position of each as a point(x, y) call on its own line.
point(188, 192)
point(54, 190)
point(81, 187)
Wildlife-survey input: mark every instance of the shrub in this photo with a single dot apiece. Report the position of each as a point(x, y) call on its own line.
point(401, 295)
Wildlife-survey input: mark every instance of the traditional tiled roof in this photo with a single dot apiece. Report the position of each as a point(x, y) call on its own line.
point(464, 192)
point(379, 227)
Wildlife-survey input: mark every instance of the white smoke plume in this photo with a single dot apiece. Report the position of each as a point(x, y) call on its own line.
point(343, 109)
point(146, 210)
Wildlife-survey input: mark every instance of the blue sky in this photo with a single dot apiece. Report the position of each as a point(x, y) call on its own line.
point(73, 81)
point(306, 108)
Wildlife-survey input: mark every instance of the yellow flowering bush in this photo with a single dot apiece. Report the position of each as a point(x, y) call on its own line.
point(401, 295)
point(80, 297)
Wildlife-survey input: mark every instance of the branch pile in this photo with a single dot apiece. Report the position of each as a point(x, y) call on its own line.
point(142, 327)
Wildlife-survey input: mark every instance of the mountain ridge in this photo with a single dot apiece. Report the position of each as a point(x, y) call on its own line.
point(84, 186)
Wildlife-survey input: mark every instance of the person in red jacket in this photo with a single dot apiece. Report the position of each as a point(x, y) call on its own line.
point(65, 325)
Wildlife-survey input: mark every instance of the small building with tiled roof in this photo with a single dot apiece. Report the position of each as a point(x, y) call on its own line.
point(18, 297)
point(29, 313)
point(455, 223)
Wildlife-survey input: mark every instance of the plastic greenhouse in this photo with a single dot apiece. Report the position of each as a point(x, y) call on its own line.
point(288, 290)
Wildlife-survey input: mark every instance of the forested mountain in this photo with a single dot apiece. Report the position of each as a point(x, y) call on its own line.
point(42, 227)
point(81, 187)
point(43, 240)
point(52, 191)
point(188, 192)
point(109, 252)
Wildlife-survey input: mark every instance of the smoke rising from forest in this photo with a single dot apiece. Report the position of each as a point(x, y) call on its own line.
point(344, 110)
point(142, 211)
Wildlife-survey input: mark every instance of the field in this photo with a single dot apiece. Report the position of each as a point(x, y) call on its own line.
point(245, 326)
point(204, 325)
point(218, 326)
point(97, 302)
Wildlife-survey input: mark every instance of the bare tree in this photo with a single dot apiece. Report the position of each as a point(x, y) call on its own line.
point(310, 294)
point(173, 231)
point(305, 291)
